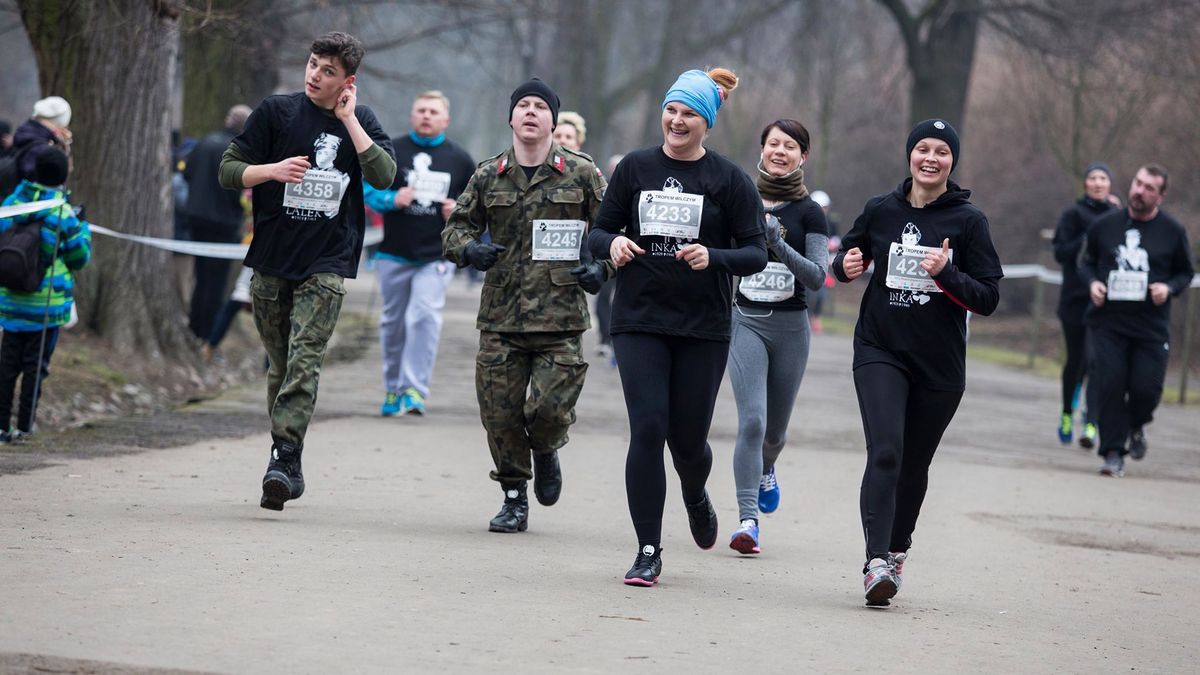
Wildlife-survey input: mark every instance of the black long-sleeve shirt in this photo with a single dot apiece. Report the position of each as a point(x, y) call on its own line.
point(655, 292)
point(1157, 247)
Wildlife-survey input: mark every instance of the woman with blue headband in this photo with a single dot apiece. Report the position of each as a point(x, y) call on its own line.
point(680, 221)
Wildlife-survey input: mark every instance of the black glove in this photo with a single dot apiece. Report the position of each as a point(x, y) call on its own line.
point(482, 256)
point(591, 276)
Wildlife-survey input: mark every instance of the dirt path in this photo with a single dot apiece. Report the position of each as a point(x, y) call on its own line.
point(1025, 561)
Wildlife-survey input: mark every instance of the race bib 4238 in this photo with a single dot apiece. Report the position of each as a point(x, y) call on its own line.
point(904, 270)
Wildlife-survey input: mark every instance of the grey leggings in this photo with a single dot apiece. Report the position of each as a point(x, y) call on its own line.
point(767, 356)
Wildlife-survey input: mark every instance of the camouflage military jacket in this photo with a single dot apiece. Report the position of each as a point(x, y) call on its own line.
point(521, 294)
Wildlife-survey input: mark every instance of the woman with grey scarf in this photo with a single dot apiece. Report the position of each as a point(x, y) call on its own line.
point(769, 345)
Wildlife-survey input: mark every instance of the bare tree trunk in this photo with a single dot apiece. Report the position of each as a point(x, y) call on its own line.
point(228, 59)
point(115, 61)
point(940, 44)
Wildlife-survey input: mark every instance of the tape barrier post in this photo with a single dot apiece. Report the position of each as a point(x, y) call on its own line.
point(1188, 321)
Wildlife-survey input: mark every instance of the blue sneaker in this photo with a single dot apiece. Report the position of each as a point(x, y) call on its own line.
point(412, 402)
point(768, 492)
point(391, 405)
point(745, 539)
point(1066, 428)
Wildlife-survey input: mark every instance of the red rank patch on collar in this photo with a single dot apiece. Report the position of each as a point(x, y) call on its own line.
point(503, 165)
point(559, 164)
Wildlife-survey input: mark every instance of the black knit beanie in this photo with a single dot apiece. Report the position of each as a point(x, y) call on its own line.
point(933, 128)
point(535, 87)
point(1098, 166)
point(50, 167)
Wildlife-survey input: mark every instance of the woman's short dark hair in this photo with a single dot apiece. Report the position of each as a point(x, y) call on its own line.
point(791, 128)
point(341, 46)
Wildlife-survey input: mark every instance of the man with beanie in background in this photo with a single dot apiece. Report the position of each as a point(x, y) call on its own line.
point(1134, 261)
point(31, 314)
point(537, 200)
point(413, 275)
point(213, 214)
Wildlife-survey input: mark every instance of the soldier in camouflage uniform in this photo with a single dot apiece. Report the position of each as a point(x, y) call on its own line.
point(536, 199)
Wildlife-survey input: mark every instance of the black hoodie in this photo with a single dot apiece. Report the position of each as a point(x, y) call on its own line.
point(922, 329)
point(1068, 242)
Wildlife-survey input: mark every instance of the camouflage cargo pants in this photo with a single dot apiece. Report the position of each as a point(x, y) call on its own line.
point(527, 385)
point(295, 320)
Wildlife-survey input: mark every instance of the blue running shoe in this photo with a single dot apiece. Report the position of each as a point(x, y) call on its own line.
point(412, 402)
point(745, 539)
point(1066, 428)
point(768, 492)
point(391, 405)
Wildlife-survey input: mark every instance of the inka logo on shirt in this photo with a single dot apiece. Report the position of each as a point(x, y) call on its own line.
point(907, 298)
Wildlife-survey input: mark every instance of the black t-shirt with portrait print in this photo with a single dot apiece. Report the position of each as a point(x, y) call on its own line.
point(655, 292)
point(910, 321)
point(797, 220)
point(415, 231)
point(1128, 255)
point(318, 225)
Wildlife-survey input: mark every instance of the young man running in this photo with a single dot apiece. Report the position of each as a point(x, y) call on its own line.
point(305, 155)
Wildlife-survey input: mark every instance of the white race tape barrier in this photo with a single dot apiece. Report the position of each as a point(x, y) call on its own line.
point(375, 235)
point(205, 249)
point(29, 207)
point(195, 248)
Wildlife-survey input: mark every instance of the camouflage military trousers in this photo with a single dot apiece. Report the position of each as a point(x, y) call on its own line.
point(527, 385)
point(295, 320)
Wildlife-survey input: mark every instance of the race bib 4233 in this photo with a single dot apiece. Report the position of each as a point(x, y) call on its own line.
point(670, 214)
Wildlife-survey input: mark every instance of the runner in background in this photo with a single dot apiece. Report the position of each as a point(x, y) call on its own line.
point(1134, 261)
point(1073, 297)
point(934, 261)
point(306, 156)
point(768, 350)
point(680, 222)
point(413, 274)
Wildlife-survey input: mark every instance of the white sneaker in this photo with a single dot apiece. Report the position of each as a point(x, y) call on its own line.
point(879, 582)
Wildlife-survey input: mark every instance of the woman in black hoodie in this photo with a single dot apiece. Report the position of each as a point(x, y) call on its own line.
point(1073, 299)
point(935, 262)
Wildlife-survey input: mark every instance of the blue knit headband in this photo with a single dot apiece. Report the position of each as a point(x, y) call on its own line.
point(698, 91)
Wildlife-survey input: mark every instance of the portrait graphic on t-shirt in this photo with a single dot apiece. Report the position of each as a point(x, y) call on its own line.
point(430, 188)
point(1131, 256)
point(320, 192)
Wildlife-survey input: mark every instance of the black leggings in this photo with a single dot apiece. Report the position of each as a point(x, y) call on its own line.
point(903, 423)
point(1075, 337)
point(670, 386)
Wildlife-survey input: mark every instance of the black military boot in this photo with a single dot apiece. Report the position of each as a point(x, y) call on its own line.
point(547, 477)
point(514, 515)
point(284, 479)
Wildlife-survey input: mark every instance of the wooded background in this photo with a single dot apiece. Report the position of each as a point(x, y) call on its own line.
point(1037, 89)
